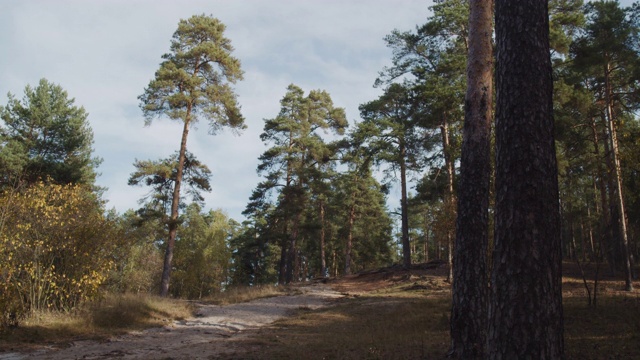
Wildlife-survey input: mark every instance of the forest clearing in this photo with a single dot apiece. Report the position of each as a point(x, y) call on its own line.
point(388, 313)
point(484, 203)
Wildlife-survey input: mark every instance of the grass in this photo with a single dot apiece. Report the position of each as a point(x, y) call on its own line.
point(610, 331)
point(402, 322)
point(116, 314)
point(405, 317)
point(410, 320)
point(112, 315)
point(243, 294)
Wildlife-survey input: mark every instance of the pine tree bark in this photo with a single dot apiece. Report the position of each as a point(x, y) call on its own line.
point(470, 281)
point(349, 244)
point(351, 221)
point(292, 256)
point(406, 246)
point(175, 203)
point(622, 219)
point(323, 260)
point(284, 252)
point(605, 216)
point(449, 196)
point(614, 255)
point(525, 307)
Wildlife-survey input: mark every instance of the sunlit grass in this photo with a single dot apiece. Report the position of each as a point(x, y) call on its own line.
point(246, 293)
point(410, 320)
point(405, 317)
point(401, 324)
point(109, 316)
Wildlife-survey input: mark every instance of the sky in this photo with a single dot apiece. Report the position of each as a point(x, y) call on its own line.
point(105, 52)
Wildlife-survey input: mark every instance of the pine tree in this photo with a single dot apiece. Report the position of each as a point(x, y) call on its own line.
point(468, 314)
point(193, 82)
point(607, 54)
point(288, 165)
point(389, 128)
point(45, 136)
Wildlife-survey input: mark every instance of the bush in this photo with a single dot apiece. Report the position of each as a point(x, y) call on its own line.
point(55, 249)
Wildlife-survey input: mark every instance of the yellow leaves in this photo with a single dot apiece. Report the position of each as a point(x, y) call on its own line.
point(51, 245)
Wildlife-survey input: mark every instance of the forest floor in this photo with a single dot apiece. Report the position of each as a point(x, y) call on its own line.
point(388, 313)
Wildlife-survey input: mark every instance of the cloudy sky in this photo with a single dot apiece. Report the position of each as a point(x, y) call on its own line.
point(105, 52)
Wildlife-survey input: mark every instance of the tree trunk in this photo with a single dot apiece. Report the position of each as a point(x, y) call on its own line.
point(525, 307)
point(449, 196)
point(613, 230)
point(592, 247)
point(351, 221)
point(347, 254)
point(470, 284)
point(292, 256)
point(622, 219)
point(426, 240)
point(406, 246)
point(323, 260)
point(606, 234)
point(175, 202)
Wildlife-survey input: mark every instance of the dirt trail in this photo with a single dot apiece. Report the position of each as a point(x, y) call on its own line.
point(216, 331)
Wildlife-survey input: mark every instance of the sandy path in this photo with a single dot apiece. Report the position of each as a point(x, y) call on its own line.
point(215, 332)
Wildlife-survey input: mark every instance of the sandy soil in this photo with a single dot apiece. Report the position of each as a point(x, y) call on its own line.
point(215, 332)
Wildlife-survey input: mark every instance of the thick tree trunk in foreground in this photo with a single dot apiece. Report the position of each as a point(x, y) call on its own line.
point(525, 307)
point(470, 284)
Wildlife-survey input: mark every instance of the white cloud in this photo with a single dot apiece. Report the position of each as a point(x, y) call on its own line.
point(104, 53)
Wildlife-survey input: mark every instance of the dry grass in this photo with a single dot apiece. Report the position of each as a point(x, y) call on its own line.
point(395, 315)
point(403, 321)
point(609, 331)
point(116, 314)
point(387, 314)
point(245, 293)
point(112, 315)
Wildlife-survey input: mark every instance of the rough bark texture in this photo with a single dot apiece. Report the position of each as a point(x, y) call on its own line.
point(525, 310)
point(470, 283)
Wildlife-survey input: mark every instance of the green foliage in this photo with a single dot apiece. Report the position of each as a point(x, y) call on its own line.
point(193, 82)
point(565, 20)
point(202, 255)
point(295, 163)
point(55, 248)
point(600, 69)
point(138, 262)
point(194, 79)
point(161, 177)
point(389, 128)
point(255, 249)
point(45, 136)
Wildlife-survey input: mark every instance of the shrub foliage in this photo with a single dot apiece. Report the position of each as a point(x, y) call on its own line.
point(55, 248)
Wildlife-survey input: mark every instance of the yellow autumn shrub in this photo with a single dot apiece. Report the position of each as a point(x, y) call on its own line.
point(56, 248)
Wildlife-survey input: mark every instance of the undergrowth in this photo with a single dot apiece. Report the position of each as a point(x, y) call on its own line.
point(111, 315)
